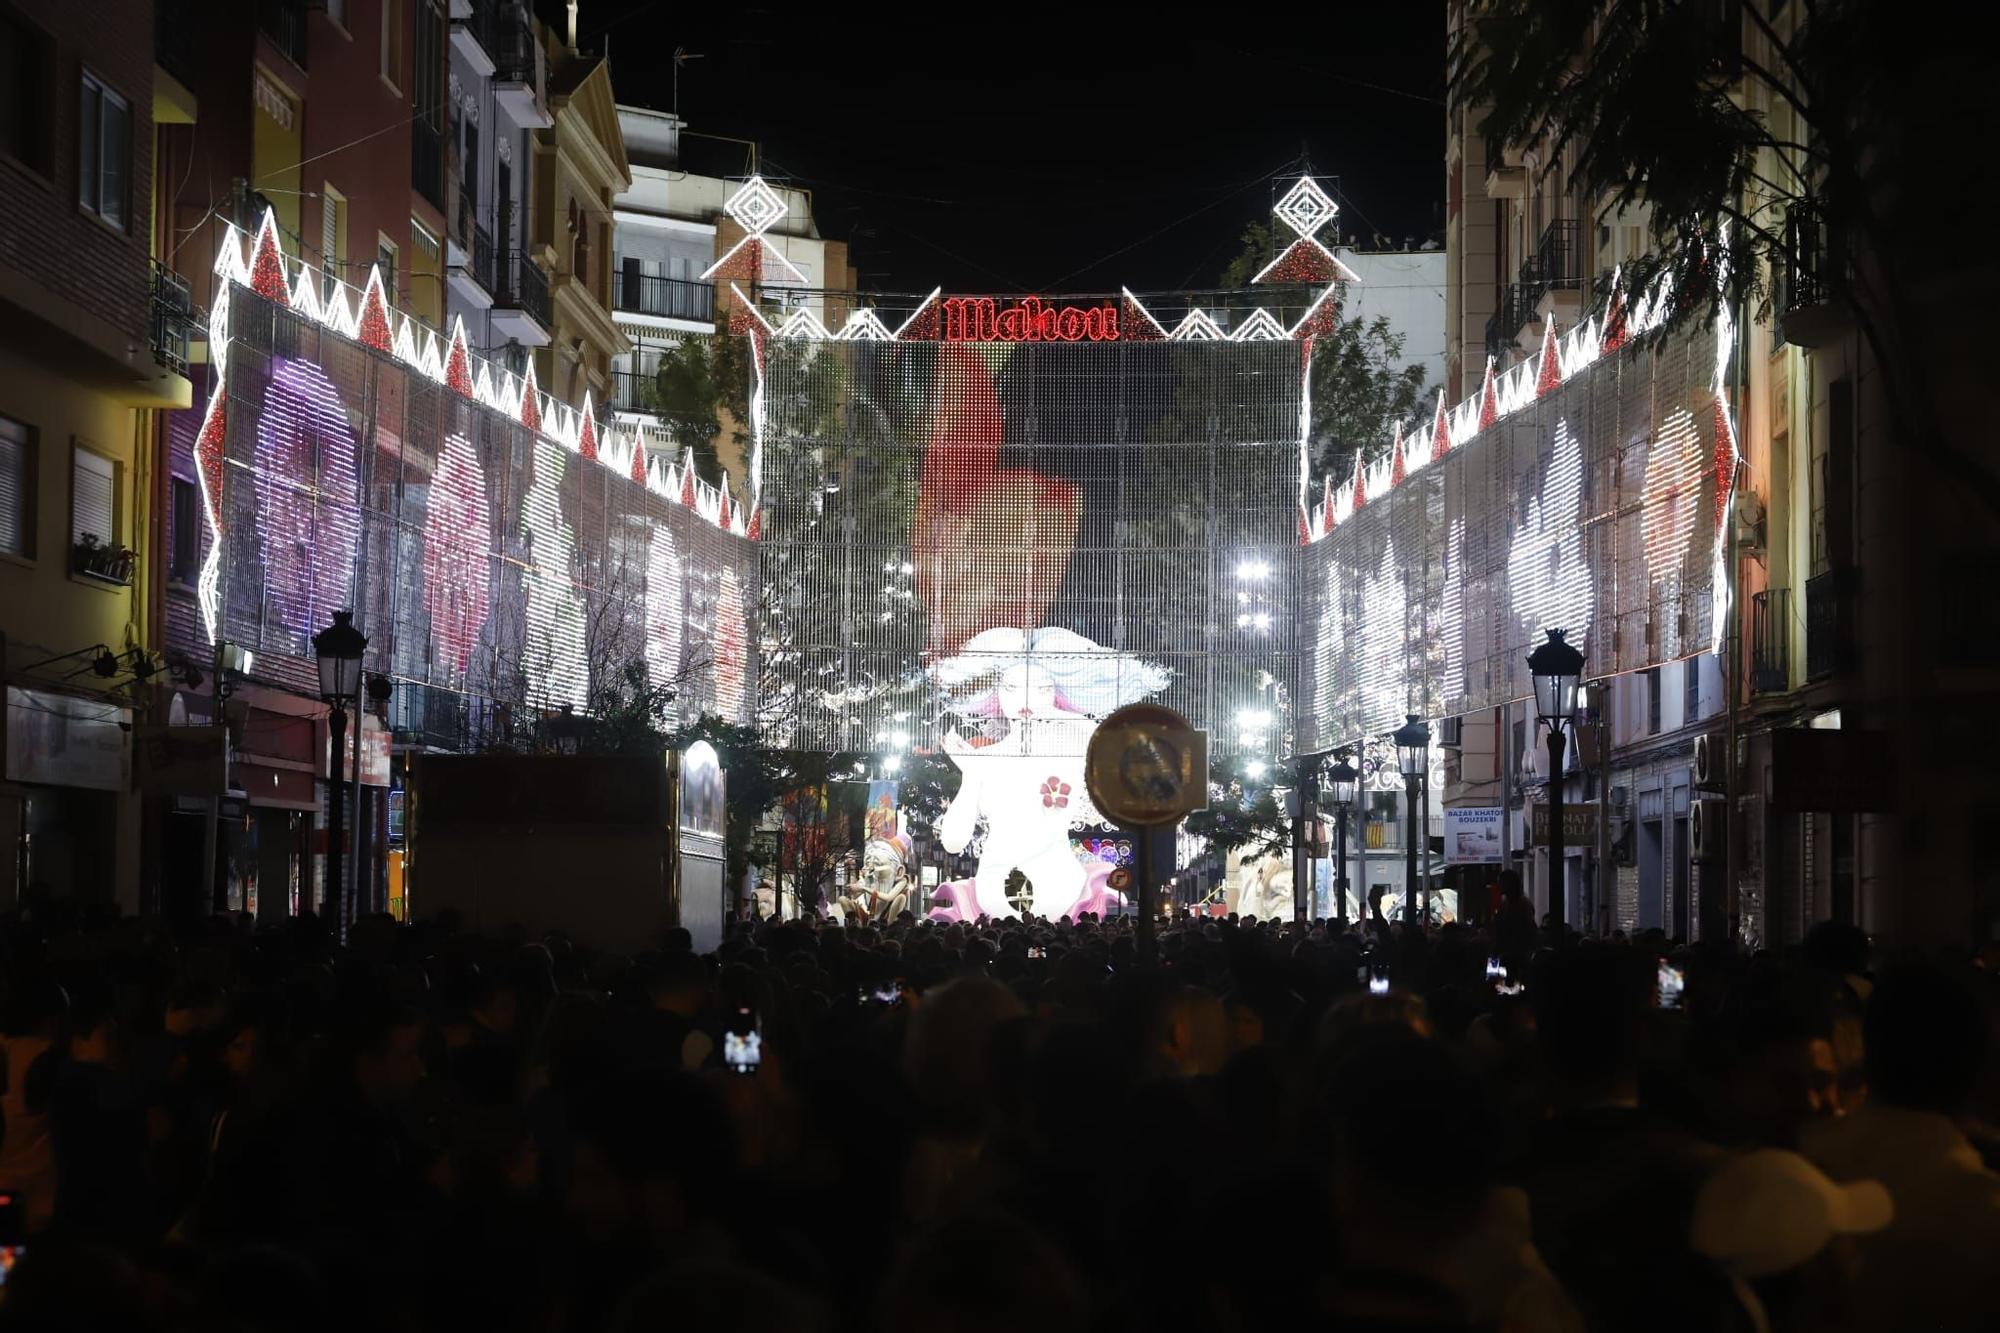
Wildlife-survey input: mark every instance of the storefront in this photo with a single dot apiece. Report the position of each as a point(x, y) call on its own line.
point(66, 802)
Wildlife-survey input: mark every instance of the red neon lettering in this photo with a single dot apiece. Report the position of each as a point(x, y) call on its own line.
point(981, 319)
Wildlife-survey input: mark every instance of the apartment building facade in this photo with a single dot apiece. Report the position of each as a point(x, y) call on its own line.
point(334, 117)
point(496, 97)
point(580, 169)
point(672, 230)
point(92, 353)
point(1796, 776)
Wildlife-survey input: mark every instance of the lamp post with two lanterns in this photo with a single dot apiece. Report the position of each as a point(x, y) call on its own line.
point(1342, 783)
point(339, 648)
point(1413, 753)
point(1558, 669)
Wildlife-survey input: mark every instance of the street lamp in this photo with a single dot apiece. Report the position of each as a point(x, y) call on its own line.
point(339, 648)
point(1557, 669)
point(1343, 783)
point(1413, 750)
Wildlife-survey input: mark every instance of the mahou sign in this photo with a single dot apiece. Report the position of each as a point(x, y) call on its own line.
point(970, 319)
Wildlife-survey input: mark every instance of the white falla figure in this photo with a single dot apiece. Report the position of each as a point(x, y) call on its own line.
point(1049, 687)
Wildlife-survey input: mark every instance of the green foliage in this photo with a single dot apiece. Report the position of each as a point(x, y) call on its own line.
point(1360, 388)
point(702, 388)
point(1240, 813)
point(1261, 244)
point(1360, 391)
point(1719, 123)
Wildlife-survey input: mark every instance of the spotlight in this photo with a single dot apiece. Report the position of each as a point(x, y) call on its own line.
point(105, 664)
point(1254, 769)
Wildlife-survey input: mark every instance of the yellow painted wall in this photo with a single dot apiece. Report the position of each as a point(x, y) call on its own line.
point(277, 144)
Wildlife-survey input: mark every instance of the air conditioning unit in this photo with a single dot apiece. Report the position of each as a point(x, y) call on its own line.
point(1708, 828)
point(1709, 772)
point(1451, 733)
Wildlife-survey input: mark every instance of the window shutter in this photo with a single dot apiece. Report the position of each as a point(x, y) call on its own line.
point(93, 504)
point(16, 489)
point(329, 238)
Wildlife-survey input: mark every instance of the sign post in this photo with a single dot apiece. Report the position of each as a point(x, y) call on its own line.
point(1147, 766)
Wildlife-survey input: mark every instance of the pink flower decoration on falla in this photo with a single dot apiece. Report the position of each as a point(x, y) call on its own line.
point(1055, 794)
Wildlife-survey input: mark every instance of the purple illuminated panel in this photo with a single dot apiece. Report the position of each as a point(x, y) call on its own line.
point(308, 517)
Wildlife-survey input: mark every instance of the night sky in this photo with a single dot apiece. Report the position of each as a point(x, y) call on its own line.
point(1005, 148)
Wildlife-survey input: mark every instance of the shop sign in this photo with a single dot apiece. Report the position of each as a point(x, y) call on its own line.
point(180, 761)
point(64, 741)
point(1579, 826)
point(1472, 835)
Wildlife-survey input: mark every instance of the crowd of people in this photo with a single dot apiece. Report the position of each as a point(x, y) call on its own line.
point(992, 1126)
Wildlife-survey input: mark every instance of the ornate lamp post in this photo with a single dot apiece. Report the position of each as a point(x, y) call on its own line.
point(1343, 782)
point(1413, 751)
point(339, 648)
point(1557, 669)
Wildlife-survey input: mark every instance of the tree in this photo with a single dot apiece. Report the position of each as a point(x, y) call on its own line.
point(702, 390)
point(1837, 182)
point(1361, 387)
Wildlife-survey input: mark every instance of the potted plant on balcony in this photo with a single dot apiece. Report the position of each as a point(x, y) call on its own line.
point(93, 557)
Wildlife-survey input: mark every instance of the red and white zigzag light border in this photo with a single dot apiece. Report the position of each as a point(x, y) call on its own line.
point(365, 316)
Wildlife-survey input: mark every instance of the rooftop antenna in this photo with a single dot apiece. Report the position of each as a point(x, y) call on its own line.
point(681, 56)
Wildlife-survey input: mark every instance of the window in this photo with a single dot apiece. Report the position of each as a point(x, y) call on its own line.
point(27, 57)
point(426, 275)
point(337, 11)
point(332, 236)
point(503, 208)
point(93, 498)
point(385, 258)
point(392, 42)
point(1691, 698)
point(1652, 675)
point(17, 488)
point(104, 148)
point(184, 534)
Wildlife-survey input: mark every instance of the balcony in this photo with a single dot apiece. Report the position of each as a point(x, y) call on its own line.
point(1506, 175)
point(472, 278)
point(427, 162)
point(1829, 623)
point(170, 315)
point(1809, 310)
point(472, 28)
point(521, 301)
point(1770, 642)
point(284, 23)
point(669, 298)
point(517, 66)
point(632, 391)
point(1558, 272)
point(176, 39)
point(1503, 331)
